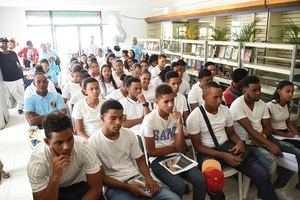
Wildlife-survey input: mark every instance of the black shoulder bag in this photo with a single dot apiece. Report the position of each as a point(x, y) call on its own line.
point(228, 145)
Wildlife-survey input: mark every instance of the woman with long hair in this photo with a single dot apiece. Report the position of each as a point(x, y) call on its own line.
point(107, 82)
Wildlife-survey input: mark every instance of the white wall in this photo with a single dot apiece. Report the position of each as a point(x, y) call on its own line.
point(13, 24)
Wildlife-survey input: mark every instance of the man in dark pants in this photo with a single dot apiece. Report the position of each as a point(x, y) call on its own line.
point(222, 126)
point(12, 73)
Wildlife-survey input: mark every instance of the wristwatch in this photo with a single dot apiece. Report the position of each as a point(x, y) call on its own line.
point(146, 104)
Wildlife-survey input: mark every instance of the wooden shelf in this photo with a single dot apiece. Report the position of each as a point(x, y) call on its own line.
point(171, 53)
point(268, 45)
point(271, 68)
point(275, 58)
point(223, 61)
point(192, 57)
point(152, 52)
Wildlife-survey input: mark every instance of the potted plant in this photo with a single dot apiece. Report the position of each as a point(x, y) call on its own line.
point(247, 34)
point(219, 34)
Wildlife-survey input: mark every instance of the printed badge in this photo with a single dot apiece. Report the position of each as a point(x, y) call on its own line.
point(53, 104)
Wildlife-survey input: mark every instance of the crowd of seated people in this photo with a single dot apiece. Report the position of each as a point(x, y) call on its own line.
point(90, 141)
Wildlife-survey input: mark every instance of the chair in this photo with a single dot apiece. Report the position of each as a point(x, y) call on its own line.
point(229, 171)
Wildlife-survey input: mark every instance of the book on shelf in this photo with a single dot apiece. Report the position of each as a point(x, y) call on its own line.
point(198, 65)
point(193, 50)
point(213, 51)
point(234, 55)
point(198, 50)
point(178, 163)
point(228, 52)
point(247, 55)
point(221, 53)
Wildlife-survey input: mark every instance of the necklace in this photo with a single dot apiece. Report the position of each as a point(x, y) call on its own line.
point(162, 121)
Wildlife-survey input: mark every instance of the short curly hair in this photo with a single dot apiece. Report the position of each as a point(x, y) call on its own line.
point(55, 123)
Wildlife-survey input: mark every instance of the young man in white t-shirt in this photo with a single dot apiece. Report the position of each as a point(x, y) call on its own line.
point(135, 105)
point(86, 113)
point(180, 104)
point(123, 159)
point(195, 94)
point(73, 86)
point(163, 132)
point(222, 126)
point(179, 67)
point(252, 122)
point(122, 91)
point(162, 59)
point(64, 166)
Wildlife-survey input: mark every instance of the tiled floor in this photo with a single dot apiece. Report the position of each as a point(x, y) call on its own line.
point(15, 152)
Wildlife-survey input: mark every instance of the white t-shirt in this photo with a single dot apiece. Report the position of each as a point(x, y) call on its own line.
point(117, 156)
point(90, 116)
point(154, 72)
point(186, 77)
point(162, 130)
point(83, 161)
point(109, 88)
point(70, 89)
point(156, 81)
point(239, 110)
point(133, 110)
point(64, 77)
point(117, 79)
point(100, 60)
point(184, 87)
point(196, 124)
point(278, 115)
point(77, 97)
point(116, 94)
point(150, 93)
point(180, 104)
point(195, 95)
point(31, 89)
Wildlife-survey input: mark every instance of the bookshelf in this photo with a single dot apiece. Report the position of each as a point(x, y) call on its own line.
point(151, 46)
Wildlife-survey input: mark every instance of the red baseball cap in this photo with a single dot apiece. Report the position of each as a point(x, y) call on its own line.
point(213, 174)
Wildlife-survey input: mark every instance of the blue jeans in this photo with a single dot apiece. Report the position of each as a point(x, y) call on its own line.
point(288, 148)
point(251, 168)
point(75, 191)
point(265, 158)
point(116, 194)
point(176, 183)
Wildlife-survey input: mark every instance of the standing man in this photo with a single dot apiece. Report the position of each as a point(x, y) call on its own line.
point(137, 49)
point(12, 73)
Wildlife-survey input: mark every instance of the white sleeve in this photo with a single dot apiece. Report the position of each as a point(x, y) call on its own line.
point(229, 121)
point(193, 122)
point(192, 97)
point(37, 171)
point(91, 162)
point(266, 114)
point(77, 111)
point(237, 112)
point(146, 127)
point(51, 87)
point(65, 92)
point(185, 107)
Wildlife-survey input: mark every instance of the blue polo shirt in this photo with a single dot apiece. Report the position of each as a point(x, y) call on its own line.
point(44, 105)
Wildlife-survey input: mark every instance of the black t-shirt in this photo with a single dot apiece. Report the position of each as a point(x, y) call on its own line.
point(9, 67)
